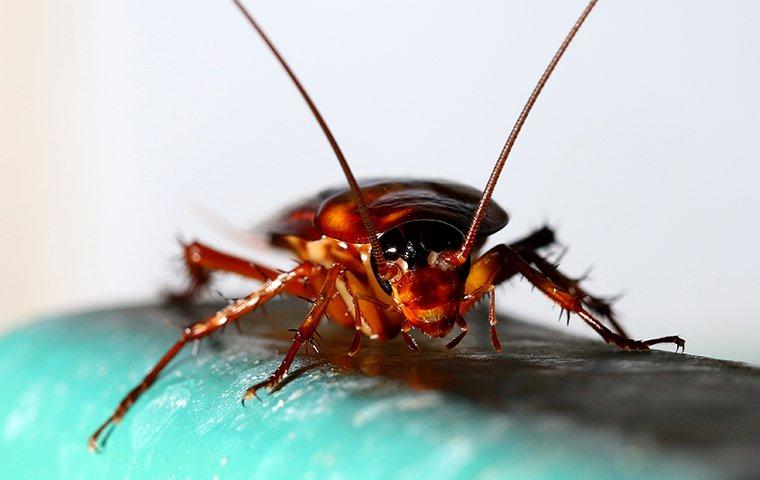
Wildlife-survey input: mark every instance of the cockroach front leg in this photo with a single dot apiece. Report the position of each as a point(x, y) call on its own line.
point(302, 334)
point(476, 295)
point(201, 261)
point(504, 257)
point(229, 314)
point(489, 270)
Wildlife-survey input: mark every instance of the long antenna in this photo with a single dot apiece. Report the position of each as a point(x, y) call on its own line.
point(356, 194)
point(472, 234)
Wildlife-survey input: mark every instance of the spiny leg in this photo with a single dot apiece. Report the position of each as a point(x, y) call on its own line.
point(536, 240)
point(303, 333)
point(201, 261)
point(492, 319)
point(198, 330)
point(573, 302)
point(489, 269)
point(596, 304)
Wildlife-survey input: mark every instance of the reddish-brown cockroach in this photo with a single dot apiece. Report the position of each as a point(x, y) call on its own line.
point(388, 256)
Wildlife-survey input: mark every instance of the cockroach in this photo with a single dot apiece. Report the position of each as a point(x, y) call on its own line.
point(388, 256)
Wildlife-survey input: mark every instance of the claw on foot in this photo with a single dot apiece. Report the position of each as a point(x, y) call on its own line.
point(679, 342)
point(639, 345)
point(92, 445)
point(270, 383)
point(249, 394)
point(627, 343)
point(635, 346)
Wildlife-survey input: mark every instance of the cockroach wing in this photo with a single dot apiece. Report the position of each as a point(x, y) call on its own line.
point(391, 202)
point(298, 218)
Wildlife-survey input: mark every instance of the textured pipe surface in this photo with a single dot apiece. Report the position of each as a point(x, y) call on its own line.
point(549, 406)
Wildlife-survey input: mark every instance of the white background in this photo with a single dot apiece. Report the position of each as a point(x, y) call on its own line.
point(123, 124)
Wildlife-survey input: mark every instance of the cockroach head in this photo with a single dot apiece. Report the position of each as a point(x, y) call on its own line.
point(426, 291)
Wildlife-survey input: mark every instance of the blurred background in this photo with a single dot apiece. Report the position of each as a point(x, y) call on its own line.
point(125, 124)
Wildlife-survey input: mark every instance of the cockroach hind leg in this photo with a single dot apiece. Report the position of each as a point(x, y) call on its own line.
point(679, 342)
point(643, 345)
point(251, 392)
point(98, 439)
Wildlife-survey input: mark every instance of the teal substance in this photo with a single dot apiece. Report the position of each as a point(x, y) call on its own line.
point(62, 377)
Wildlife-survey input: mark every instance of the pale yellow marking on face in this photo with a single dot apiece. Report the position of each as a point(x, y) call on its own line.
point(319, 251)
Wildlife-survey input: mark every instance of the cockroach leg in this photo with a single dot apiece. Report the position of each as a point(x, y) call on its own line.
point(463, 326)
point(488, 271)
point(596, 304)
point(541, 238)
point(201, 261)
point(573, 302)
point(196, 331)
point(492, 319)
point(489, 268)
point(302, 334)
point(355, 343)
point(377, 302)
point(357, 340)
point(469, 299)
point(678, 341)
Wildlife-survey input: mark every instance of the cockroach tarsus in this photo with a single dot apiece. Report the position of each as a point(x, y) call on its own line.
point(388, 256)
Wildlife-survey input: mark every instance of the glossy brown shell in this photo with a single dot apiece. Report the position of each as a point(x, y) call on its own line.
point(391, 202)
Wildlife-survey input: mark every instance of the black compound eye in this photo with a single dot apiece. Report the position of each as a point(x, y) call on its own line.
point(391, 253)
point(438, 237)
point(413, 242)
point(393, 244)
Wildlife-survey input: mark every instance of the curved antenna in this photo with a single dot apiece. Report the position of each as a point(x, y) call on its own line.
point(461, 256)
point(369, 227)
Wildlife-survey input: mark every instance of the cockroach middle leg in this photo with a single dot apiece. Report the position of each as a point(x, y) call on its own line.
point(201, 261)
point(228, 314)
point(303, 333)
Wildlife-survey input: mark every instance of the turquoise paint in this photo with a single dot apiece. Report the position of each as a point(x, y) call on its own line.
point(61, 377)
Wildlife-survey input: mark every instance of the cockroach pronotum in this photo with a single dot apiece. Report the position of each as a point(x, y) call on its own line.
point(388, 256)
